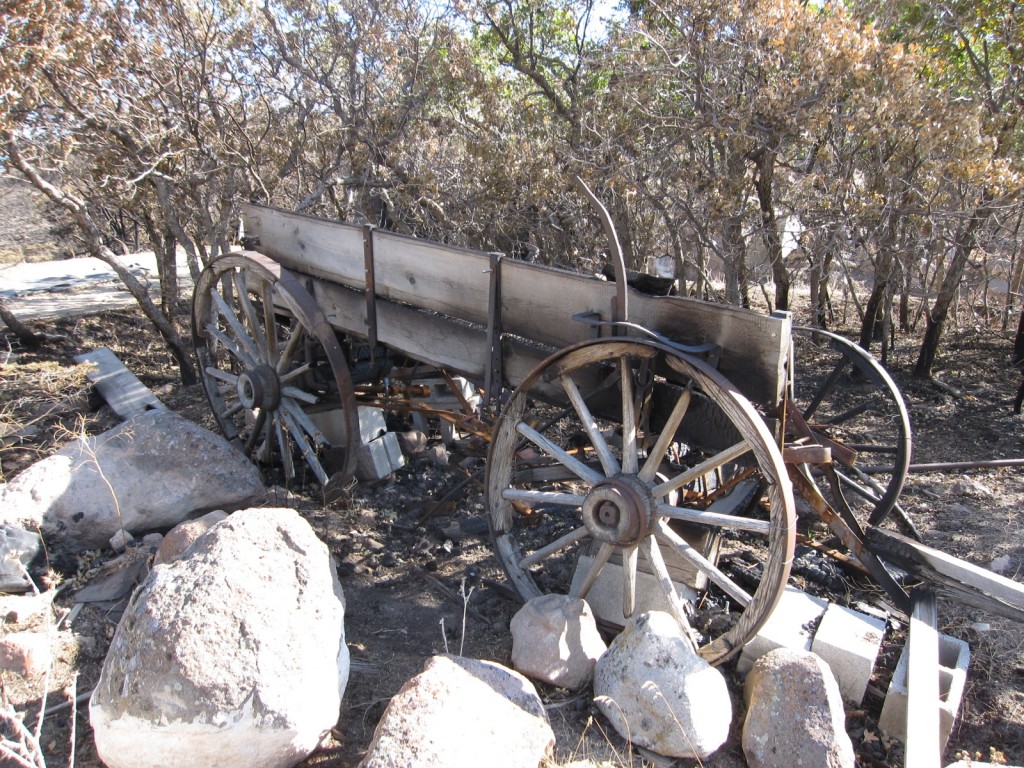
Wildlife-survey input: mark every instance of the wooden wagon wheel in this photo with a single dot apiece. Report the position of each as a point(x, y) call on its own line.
point(266, 355)
point(850, 402)
point(575, 489)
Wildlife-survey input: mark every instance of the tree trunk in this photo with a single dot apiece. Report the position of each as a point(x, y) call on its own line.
point(964, 246)
point(770, 226)
point(874, 309)
point(94, 241)
point(29, 338)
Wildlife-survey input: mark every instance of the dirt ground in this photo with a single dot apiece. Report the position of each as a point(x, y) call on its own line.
point(409, 549)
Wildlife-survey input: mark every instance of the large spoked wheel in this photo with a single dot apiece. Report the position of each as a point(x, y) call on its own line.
point(850, 403)
point(624, 468)
point(268, 357)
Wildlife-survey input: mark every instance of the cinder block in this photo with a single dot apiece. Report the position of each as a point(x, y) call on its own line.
point(791, 625)
point(848, 641)
point(954, 657)
point(379, 458)
point(332, 424)
point(605, 596)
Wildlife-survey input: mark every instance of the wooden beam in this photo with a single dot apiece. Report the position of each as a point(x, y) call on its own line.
point(949, 576)
point(122, 390)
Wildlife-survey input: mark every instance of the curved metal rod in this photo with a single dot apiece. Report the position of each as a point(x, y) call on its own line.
point(621, 292)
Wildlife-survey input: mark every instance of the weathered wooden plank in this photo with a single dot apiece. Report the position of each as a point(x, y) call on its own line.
point(424, 336)
point(949, 576)
point(538, 303)
point(124, 393)
point(923, 741)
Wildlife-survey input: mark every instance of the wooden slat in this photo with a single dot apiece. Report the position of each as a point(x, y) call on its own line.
point(538, 303)
point(949, 576)
point(923, 741)
point(124, 393)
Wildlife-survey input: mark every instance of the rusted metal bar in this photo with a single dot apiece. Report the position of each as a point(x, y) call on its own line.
point(493, 376)
point(947, 466)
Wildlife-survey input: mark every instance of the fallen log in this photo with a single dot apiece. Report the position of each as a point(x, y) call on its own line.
point(950, 576)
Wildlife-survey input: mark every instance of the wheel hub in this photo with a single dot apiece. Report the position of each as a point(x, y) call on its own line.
point(619, 511)
point(259, 388)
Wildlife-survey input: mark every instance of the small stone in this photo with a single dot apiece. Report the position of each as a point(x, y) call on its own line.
point(27, 653)
point(968, 486)
point(412, 442)
point(1000, 564)
point(16, 609)
point(152, 540)
point(182, 536)
point(555, 640)
point(957, 508)
point(121, 540)
point(437, 455)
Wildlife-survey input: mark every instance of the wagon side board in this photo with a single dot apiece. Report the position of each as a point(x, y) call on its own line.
point(538, 304)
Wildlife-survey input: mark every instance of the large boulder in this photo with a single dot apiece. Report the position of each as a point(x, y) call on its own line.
point(794, 713)
point(233, 655)
point(462, 713)
point(555, 640)
point(658, 693)
point(148, 473)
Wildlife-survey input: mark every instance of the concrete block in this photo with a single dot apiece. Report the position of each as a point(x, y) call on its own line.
point(848, 641)
point(332, 424)
point(954, 657)
point(379, 458)
point(791, 625)
point(605, 597)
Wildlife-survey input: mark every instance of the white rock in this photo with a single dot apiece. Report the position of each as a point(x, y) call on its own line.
point(462, 713)
point(158, 467)
point(121, 540)
point(555, 639)
point(232, 656)
point(658, 693)
point(1000, 564)
point(967, 485)
point(794, 713)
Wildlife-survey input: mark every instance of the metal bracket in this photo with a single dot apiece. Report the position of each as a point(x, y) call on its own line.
point(494, 375)
point(371, 291)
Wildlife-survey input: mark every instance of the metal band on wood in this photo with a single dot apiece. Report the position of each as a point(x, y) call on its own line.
point(494, 377)
point(371, 291)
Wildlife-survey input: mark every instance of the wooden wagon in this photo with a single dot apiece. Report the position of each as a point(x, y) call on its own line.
point(643, 449)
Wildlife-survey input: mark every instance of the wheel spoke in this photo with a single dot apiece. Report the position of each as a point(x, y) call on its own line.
point(555, 546)
point(303, 421)
point(225, 341)
point(284, 447)
point(543, 497)
point(629, 558)
point(604, 453)
point(236, 327)
point(668, 434)
point(702, 517)
point(261, 419)
point(295, 373)
point(231, 410)
point(289, 349)
point(242, 292)
point(227, 376)
point(629, 449)
point(304, 447)
point(653, 554)
point(298, 394)
point(582, 589)
point(825, 388)
point(269, 321)
point(571, 463)
point(683, 547)
point(729, 454)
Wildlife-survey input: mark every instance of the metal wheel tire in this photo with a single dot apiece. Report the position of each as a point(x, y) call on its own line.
point(630, 458)
point(266, 356)
point(846, 397)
